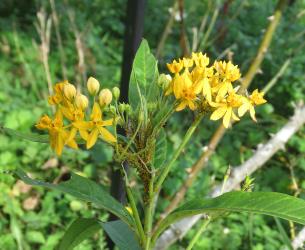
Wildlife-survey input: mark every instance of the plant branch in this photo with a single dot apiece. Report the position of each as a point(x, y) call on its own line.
point(259, 158)
point(59, 40)
point(263, 48)
point(167, 29)
point(178, 151)
point(219, 133)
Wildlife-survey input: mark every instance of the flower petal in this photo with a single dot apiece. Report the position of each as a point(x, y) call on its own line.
point(243, 109)
point(218, 113)
point(252, 113)
point(84, 134)
point(107, 122)
point(106, 135)
point(181, 106)
point(227, 117)
point(83, 125)
point(92, 137)
point(96, 112)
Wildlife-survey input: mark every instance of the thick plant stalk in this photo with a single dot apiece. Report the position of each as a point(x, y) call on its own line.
point(43, 27)
point(59, 40)
point(260, 157)
point(80, 48)
point(219, 133)
point(167, 30)
point(263, 48)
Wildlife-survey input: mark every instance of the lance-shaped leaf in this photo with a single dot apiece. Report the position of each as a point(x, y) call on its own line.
point(79, 230)
point(83, 228)
point(26, 136)
point(268, 203)
point(32, 136)
point(143, 78)
point(121, 235)
point(86, 190)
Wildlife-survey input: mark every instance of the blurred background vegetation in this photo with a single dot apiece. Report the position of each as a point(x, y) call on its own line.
point(43, 42)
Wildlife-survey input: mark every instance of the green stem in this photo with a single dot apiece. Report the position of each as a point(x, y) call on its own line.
point(178, 151)
point(135, 214)
point(149, 215)
point(198, 234)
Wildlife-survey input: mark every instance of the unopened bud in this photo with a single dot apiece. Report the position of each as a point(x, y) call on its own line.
point(81, 101)
point(164, 80)
point(69, 91)
point(127, 108)
point(105, 97)
point(112, 109)
point(116, 93)
point(122, 108)
point(93, 86)
point(141, 116)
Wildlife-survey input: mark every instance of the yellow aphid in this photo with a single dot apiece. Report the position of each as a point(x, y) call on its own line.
point(129, 210)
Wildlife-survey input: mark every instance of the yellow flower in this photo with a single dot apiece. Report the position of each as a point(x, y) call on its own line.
point(175, 67)
point(225, 108)
point(58, 134)
point(200, 59)
point(58, 97)
point(185, 91)
point(96, 127)
point(227, 71)
point(256, 98)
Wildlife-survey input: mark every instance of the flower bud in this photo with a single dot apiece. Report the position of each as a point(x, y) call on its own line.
point(141, 116)
point(112, 109)
point(127, 108)
point(93, 86)
point(81, 101)
point(122, 108)
point(164, 80)
point(69, 91)
point(116, 93)
point(105, 97)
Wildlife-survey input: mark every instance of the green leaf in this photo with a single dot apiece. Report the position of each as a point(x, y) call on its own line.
point(26, 136)
point(84, 189)
point(160, 150)
point(32, 136)
point(78, 231)
point(121, 235)
point(144, 75)
point(268, 203)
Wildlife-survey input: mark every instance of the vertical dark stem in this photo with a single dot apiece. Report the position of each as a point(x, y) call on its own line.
point(133, 34)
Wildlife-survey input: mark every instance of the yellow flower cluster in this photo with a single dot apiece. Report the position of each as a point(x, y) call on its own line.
point(71, 113)
point(196, 84)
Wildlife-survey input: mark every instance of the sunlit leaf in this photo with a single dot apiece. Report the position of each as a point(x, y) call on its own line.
point(267, 203)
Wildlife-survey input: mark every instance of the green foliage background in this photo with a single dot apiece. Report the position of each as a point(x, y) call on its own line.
point(23, 90)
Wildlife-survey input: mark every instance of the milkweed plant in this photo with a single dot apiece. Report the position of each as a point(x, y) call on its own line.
point(209, 90)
